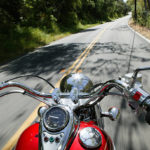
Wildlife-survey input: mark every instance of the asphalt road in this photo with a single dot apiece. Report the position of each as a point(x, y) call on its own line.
point(109, 58)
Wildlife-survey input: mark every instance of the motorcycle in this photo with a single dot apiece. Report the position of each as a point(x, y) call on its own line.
point(72, 117)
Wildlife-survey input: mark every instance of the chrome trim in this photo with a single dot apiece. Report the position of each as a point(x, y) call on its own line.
point(24, 87)
point(43, 97)
point(11, 92)
point(46, 101)
point(114, 148)
point(76, 80)
point(74, 95)
point(67, 132)
point(42, 110)
point(56, 95)
point(144, 96)
point(114, 113)
point(56, 129)
point(90, 138)
point(122, 86)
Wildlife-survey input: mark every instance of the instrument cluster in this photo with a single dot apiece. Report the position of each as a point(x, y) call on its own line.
point(56, 118)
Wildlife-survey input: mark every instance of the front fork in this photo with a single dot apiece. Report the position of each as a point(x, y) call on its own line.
point(99, 118)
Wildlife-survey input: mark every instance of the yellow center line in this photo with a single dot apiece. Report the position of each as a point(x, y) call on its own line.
point(13, 140)
point(90, 48)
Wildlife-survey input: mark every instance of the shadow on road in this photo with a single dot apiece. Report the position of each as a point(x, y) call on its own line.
point(111, 59)
point(88, 30)
point(45, 59)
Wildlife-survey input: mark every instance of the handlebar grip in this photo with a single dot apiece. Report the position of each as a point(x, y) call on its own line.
point(147, 104)
point(147, 117)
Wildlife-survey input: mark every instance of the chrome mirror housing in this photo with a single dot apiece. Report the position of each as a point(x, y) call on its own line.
point(41, 111)
point(114, 113)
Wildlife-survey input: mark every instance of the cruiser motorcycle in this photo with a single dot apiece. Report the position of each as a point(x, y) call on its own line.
point(72, 117)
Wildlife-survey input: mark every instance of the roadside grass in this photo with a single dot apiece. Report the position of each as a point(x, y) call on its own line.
point(21, 40)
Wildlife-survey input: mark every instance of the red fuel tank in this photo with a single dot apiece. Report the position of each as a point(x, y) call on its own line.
point(106, 143)
point(29, 139)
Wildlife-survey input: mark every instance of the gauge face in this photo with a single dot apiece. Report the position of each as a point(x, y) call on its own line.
point(56, 118)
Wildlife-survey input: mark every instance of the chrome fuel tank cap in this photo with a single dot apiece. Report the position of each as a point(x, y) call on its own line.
point(90, 138)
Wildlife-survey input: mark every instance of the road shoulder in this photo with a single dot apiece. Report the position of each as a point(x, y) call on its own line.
point(143, 32)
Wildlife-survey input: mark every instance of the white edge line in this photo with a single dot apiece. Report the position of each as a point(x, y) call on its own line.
point(146, 39)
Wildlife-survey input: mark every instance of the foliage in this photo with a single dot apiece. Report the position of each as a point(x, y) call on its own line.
point(143, 12)
point(46, 13)
point(26, 24)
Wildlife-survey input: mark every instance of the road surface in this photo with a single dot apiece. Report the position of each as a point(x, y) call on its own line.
point(108, 47)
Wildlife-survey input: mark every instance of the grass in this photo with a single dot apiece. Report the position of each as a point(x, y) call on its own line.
point(20, 40)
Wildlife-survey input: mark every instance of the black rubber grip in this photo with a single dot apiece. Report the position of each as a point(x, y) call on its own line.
point(147, 117)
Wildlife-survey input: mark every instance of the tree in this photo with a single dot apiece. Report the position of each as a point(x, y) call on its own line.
point(135, 11)
point(145, 4)
point(148, 1)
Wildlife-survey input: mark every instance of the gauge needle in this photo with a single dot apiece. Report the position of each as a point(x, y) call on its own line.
point(54, 117)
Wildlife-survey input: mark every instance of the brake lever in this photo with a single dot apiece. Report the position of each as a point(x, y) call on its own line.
point(136, 72)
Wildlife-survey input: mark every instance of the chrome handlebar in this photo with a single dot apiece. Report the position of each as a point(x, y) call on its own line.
point(25, 88)
point(137, 94)
point(43, 97)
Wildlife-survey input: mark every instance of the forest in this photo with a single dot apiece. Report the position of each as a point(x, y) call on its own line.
point(27, 24)
point(140, 11)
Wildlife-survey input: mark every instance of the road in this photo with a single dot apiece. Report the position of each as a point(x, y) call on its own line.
point(108, 57)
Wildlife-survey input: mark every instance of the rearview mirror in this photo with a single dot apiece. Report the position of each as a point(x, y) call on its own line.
point(114, 113)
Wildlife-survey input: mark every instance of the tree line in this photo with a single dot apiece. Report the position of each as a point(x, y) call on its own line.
point(141, 11)
point(47, 13)
point(27, 24)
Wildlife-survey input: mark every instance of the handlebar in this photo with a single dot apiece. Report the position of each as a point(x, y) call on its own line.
point(43, 97)
point(137, 94)
point(128, 89)
point(25, 88)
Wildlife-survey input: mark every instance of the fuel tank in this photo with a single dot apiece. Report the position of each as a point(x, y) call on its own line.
point(82, 141)
point(29, 139)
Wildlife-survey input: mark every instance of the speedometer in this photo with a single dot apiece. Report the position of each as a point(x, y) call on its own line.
point(56, 118)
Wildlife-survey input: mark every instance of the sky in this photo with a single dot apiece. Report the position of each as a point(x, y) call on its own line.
point(124, 0)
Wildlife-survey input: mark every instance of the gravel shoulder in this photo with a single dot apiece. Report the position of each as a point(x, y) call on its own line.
point(140, 29)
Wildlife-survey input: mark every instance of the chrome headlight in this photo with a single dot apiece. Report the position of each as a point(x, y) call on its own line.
point(90, 138)
point(76, 80)
point(56, 118)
